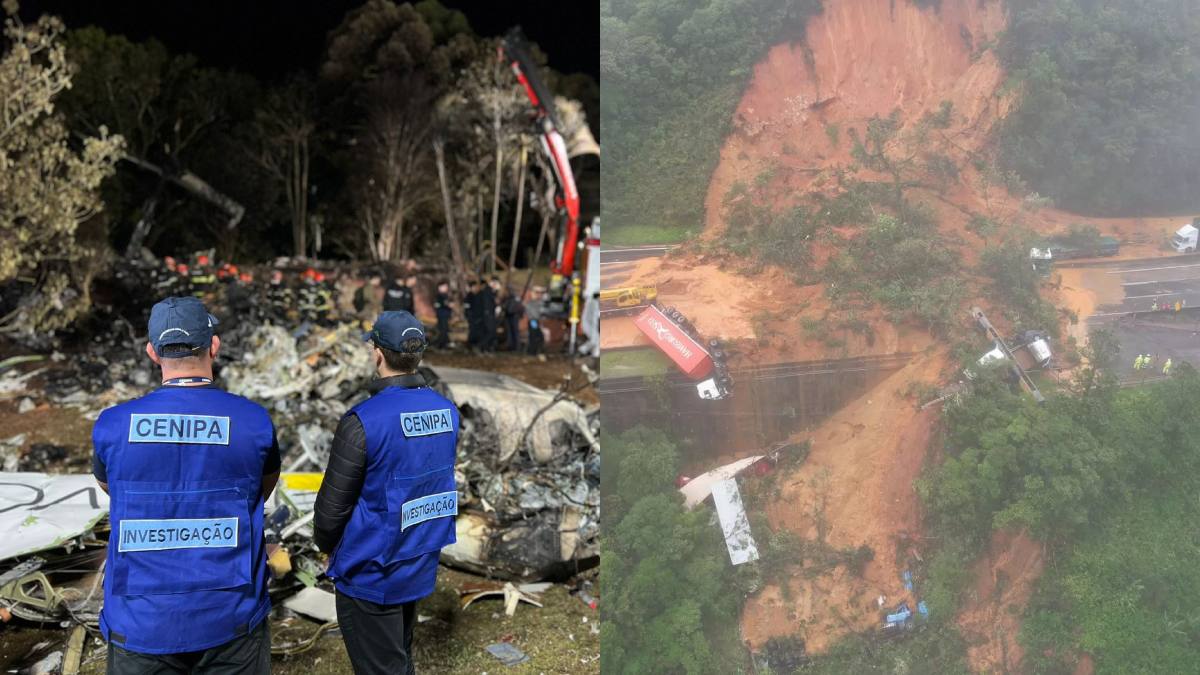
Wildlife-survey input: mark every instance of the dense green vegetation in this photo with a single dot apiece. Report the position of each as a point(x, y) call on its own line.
point(672, 594)
point(1110, 95)
point(1107, 477)
point(1014, 284)
point(671, 75)
point(902, 263)
point(633, 362)
point(936, 649)
point(1129, 593)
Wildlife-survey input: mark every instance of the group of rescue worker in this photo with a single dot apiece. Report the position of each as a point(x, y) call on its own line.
point(189, 467)
point(292, 298)
point(1147, 362)
point(488, 304)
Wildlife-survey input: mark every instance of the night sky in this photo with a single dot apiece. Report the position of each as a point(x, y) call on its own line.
point(271, 38)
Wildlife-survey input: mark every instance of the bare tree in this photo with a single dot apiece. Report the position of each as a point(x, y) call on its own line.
point(283, 129)
point(490, 112)
point(393, 168)
point(439, 149)
point(522, 161)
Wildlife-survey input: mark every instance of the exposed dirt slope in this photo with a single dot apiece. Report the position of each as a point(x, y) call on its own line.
point(860, 59)
point(855, 488)
point(1004, 580)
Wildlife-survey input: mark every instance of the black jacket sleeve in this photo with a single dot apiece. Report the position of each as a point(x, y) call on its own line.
point(342, 484)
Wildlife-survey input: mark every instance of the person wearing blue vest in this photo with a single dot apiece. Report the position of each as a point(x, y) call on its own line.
point(188, 468)
point(388, 502)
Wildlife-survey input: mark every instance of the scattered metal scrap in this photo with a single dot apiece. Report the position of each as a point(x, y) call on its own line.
point(507, 653)
point(512, 595)
point(528, 474)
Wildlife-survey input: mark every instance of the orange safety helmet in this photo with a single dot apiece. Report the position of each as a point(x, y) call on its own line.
point(182, 268)
point(246, 277)
point(201, 259)
point(232, 268)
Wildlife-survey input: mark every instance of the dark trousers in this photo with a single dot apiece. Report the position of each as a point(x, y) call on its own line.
point(489, 337)
point(247, 655)
point(535, 337)
point(378, 637)
point(512, 326)
point(443, 338)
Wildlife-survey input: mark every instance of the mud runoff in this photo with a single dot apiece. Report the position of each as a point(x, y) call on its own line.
point(769, 404)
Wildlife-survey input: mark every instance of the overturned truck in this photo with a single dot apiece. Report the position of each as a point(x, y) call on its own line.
point(675, 336)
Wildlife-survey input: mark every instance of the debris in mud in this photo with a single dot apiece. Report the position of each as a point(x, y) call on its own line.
point(42, 455)
point(527, 470)
point(10, 452)
point(507, 653)
point(735, 524)
point(314, 603)
point(511, 594)
point(696, 490)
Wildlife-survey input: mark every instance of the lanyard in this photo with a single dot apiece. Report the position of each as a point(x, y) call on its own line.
point(175, 381)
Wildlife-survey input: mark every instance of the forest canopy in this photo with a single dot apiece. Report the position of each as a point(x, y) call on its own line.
point(671, 74)
point(1109, 99)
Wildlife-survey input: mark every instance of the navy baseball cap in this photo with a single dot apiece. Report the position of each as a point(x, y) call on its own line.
point(393, 329)
point(181, 321)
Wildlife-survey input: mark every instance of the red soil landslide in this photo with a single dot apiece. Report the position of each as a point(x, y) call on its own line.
point(857, 487)
point(1004, 580)
point(860, 59)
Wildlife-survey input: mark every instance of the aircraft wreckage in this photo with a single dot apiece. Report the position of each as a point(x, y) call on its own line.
point(527, 474)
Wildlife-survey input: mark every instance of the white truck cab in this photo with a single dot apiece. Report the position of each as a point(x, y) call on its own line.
point(988, 360)
point(1185, 239)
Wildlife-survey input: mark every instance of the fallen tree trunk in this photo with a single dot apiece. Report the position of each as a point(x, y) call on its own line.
point(197, 186)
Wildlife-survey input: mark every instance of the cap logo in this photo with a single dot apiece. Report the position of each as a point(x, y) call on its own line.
point(160, 335)
point(416, 329)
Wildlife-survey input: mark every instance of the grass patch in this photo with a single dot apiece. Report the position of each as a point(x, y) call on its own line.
point(644, 235)
point(633, 362)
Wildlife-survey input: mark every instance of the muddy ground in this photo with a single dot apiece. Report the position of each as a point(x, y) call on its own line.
point(562, 637)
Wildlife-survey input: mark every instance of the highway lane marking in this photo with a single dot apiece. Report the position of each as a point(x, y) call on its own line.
point(1161, 281)
point(1156, 295)
point(636, 248)
point(1149, 269)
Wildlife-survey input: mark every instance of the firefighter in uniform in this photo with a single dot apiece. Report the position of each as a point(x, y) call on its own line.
point(202, 277)
point(188, 468)
point(281, 298)
point(388, 502)
point(441, 307)
point(323, 302)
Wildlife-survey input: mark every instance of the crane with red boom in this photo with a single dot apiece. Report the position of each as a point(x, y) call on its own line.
point(512, 50)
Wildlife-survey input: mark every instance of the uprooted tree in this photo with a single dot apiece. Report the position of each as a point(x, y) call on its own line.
point(49, 184)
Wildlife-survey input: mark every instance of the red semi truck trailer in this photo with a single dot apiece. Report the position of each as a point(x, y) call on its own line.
point(675, 337)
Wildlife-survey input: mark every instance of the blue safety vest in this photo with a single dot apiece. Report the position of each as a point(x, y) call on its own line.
point(186, 565)
point(406, 512)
